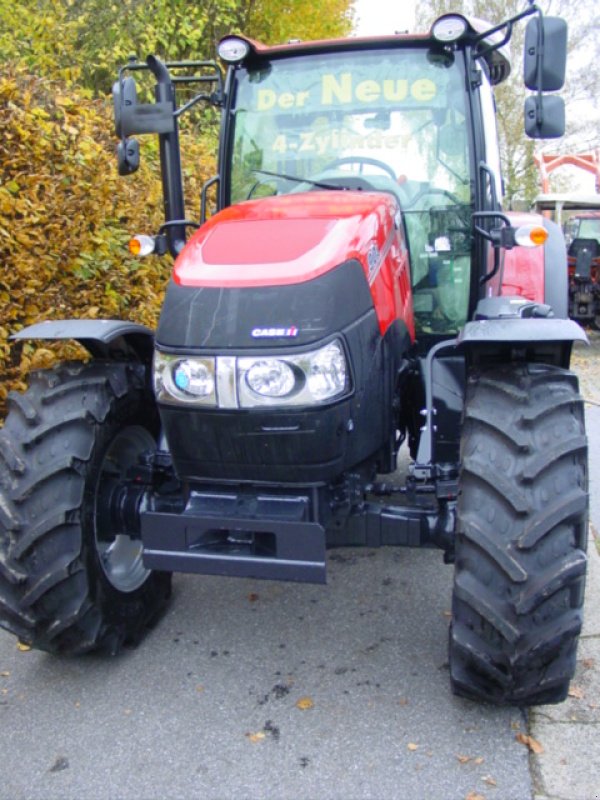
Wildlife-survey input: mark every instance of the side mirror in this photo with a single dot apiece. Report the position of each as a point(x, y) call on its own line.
point(133, 118)
point(544, 117)
point(124, 96)
point(128, 156)
point(545, 57)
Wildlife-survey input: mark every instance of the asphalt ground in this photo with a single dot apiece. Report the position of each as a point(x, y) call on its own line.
point(272, 690)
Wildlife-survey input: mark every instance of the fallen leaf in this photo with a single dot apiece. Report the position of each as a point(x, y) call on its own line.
point(23, 647)
point(530, 742)
point(403, 701)
point(60, 764)
point(304, 703)
point(5, 674)
point(576, 692)
point(489, 780)
point(448, 614)
point(479, 760)
point(588, 663)
point(412, 746)
point(464, 759)
point(199, 688)
point(253, 597)
point(256, 737)
point(474, 796)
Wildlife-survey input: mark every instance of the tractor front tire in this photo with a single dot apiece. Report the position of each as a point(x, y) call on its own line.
point(521, 536)
point(70, 583)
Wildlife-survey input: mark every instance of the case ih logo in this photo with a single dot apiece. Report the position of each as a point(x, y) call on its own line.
point(274, 333)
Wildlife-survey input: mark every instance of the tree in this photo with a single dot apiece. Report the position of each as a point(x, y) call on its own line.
point(85, 41)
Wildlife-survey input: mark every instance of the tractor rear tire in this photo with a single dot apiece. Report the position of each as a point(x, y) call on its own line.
point(521, 536)
point(69, 584)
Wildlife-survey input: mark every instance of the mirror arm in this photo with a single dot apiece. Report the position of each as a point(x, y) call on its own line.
point(210, 98)
point(508, 24)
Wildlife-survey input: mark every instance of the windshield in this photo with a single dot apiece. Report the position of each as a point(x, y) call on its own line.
point(589, 229)
point(384, 120)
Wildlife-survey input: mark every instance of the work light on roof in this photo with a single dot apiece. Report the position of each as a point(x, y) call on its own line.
point(449, 28)
point(233, 50)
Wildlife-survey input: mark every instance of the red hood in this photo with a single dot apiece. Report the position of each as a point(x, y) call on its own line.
point(287, 239)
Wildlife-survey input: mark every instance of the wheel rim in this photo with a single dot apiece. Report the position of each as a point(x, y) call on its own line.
point(120, 553)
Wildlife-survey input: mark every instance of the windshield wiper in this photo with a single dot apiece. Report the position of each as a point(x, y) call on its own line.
point(318, 184)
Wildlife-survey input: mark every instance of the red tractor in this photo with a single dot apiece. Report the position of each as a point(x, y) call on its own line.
point(583, 239)
point(360, 287)
point(582, 233)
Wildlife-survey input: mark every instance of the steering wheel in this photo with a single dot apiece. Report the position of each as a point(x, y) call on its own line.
point(374, 162)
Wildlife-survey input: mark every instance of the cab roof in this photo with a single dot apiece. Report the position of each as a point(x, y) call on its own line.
point(496, 59)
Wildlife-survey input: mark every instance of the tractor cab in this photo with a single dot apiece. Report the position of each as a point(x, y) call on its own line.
point(391, 118)
point(410, 116)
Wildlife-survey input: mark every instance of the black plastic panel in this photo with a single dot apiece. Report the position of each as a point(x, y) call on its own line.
point(224, 318)
point(304, 445)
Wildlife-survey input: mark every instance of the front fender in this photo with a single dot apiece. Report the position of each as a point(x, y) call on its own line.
point(521, 339)
point(112, 339)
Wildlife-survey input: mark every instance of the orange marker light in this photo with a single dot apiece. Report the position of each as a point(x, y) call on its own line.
point(531, 235)
point(141, 245)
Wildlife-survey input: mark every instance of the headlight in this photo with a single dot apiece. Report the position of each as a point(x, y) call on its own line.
point(248, 382)
point(293, 380)
point(271, 378)
point(188, 380)
point(327, 372)
point(193, 378)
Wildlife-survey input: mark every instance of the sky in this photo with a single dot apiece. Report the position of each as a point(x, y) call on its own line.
point(375, 17)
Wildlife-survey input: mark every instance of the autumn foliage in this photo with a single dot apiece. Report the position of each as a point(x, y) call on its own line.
point(65, 214)
point(66, 217)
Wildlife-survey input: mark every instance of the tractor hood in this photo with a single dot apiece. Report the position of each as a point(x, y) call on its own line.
point(288, 239)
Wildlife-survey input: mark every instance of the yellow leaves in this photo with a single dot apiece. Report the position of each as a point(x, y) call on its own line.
point(305, 703)
point(65, 215)
point(466, 759)
point(259, 736)
point(576, 692)
point(530, 742)
point(22, 647)
point(64, 101)
point(42, 359)
point(412, 746)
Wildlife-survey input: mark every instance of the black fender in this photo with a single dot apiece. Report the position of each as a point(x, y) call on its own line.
point(113, 339)
point(521, 339)
point(556, 272)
